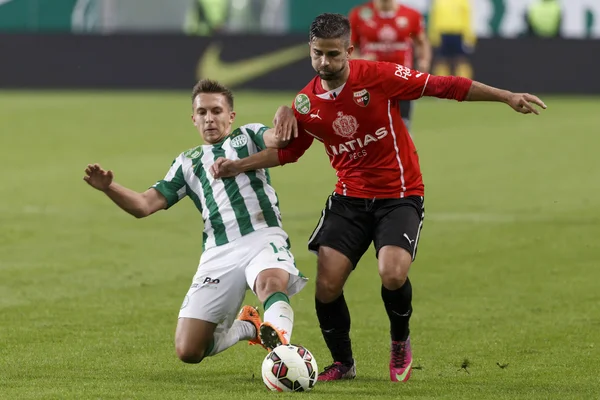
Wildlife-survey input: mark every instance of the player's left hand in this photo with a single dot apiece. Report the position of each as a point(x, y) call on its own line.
point(224, 168)
point(523, 103)
point(286, 126)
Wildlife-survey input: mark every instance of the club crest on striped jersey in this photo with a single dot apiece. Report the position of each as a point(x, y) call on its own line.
point(345, 125)
point(239, 141)
point(193, 153)
point(362, 97)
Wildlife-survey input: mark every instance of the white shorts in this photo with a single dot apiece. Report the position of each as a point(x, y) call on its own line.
point(226, 272)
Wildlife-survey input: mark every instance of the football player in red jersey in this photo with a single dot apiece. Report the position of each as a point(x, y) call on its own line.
point(378, 198)
point(384, 30)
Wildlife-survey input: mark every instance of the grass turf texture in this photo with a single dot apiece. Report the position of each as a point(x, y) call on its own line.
point(505, 282)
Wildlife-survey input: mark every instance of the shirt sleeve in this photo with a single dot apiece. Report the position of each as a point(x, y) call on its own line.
point(297, 147)
point(448, 87)
point(173, 186)
point(400, 82)
point(256, 133)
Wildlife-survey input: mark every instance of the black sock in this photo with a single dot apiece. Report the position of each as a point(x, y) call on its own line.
point(334, 319)
point(398, 304)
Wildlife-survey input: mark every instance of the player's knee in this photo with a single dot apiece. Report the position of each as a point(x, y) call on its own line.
point(333, 268)
point(393, 268)
point(190, 353)
point(327, 290)
point(271, 281)
point(393, 276)
point(392, 281)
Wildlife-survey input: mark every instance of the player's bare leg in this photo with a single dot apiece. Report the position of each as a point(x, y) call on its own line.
point(333, 269)
point(271, 289)
point(193, 338)
point(196, 339)
point(396, 292)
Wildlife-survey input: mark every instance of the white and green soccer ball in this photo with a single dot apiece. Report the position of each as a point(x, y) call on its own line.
point(290, 368)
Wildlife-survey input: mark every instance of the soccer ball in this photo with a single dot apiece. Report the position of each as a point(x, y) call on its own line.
point(289, 368)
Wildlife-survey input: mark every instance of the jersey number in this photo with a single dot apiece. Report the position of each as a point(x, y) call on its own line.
point(282, 249)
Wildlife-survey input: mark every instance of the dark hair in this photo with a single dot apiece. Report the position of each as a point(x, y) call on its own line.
point(210, 86)
point(330, 26)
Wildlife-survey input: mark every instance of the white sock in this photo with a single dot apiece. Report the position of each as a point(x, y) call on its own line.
point(281, 316)
point(240, 330)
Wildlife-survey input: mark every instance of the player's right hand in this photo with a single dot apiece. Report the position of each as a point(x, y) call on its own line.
point(523, 103)
point(97, 177)
point(286, 126)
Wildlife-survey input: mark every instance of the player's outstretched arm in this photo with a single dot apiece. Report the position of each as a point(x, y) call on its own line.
point(463, 89)
point(268, 158)
point(520, 102)
point(274, 141)
point(137, 204)
point(225, 168)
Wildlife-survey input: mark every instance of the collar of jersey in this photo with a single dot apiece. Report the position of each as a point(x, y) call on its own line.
point(387, 14)
point(219, 143)
point(337, 91)
point(327, 95)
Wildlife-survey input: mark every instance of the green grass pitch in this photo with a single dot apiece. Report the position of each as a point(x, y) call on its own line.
point(506, 276)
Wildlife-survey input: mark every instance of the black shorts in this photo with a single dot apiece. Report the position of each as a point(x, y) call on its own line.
point(349, 225)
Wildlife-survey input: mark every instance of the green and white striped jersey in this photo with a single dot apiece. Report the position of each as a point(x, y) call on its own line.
point(230, 207)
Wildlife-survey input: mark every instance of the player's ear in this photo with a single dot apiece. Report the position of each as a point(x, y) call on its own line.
point(231, 116)
point(350, 50)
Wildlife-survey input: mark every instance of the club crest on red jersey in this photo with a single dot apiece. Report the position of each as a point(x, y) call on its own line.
point(387, 34)
point(362, 97)
point(402, 22)
point(345, 125)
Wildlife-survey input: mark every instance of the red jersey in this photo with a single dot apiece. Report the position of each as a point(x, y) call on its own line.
point(386, 35)
point(362, 130)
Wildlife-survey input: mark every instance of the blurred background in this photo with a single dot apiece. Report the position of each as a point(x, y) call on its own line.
point(505, 18)
point(533, 45)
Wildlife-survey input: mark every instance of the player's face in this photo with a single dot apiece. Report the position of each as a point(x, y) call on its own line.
point(330, 57)
point(385, 5)
point(212, 116)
